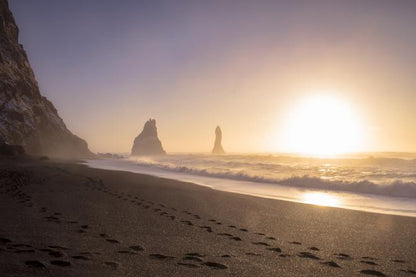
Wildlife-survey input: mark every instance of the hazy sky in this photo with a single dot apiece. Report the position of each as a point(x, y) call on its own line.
point(109, 65)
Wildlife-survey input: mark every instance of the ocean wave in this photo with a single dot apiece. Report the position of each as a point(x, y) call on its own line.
point(391, 188)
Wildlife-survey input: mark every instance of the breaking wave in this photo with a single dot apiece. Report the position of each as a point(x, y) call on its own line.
point(378, 176)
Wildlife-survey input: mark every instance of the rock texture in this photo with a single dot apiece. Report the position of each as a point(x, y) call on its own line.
point(10, 150)
point(26, 117)
point(147, 143)
point(217, 145)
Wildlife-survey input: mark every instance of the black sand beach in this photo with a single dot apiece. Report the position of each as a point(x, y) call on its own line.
point(63, 219)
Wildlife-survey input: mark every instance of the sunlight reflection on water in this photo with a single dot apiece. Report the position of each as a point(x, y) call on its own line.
point(321, 199)
point(349, 200)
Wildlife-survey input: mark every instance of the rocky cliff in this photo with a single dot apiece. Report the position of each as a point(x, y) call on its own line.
point(147, 143)
point(217, 144)
point(26, 117)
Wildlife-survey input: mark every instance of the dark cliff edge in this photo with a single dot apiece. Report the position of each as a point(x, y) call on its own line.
point(26, 117)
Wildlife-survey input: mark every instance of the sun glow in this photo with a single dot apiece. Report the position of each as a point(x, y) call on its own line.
point(321, 199)
point(324, 126)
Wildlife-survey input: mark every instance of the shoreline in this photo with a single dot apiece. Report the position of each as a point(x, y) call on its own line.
point(116, 223)
point(348, 200)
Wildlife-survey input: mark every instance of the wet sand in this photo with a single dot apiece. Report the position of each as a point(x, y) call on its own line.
point(64, 219)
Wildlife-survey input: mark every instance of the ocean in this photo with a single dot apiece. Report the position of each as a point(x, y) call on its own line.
point(373, 182)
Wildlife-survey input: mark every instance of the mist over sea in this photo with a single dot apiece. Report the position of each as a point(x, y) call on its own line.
point(381, 182)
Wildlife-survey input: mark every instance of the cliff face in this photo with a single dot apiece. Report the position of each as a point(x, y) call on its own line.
point(147, 143)
point(26, 117)
point(217, 144)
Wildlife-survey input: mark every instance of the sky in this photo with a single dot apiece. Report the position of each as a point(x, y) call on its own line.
point(109, 65)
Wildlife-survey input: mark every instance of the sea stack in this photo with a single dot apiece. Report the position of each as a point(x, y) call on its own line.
point(27, 118)
point(147, 143)
point(217, 145)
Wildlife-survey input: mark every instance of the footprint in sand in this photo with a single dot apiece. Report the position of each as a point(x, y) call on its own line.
point(215, 265)
point(188, 265)
point(136, 248)
point(34, 264)
point(60, 263)
point(261, 243)
point(275, 249)
point(56, 254)
point(160, 257)
point(368, 262)
point(22, 245)
point(195, 254)
point(192, 258)
point(126, 252)
point(296, 243)
point(252, 254)
point(372, 272)
point(284, 255)
point(224, 234)
point(112, 240)
point(52, 219)
point(187, 222)
point(112, 265)
point(23, 251)
point(331, 264)
point(58, 247)
point(80, 257)
point(207, 228)
point(408, 271)
point(308, 255)
point(342, 256)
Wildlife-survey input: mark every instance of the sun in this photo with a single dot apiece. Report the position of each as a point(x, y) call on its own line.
point(324, 126)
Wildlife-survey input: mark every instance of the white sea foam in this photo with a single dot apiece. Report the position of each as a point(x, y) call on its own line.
point(384, 184)
point(392, 177)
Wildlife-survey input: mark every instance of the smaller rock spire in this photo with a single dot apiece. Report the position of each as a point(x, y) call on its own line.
point(217, 145)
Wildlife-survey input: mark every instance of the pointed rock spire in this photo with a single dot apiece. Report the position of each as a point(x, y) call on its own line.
point(147, 143)
point(217, 145)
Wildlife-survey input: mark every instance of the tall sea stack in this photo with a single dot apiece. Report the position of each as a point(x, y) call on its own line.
point(147, 143)
point(26, 117)
point(217, 145)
